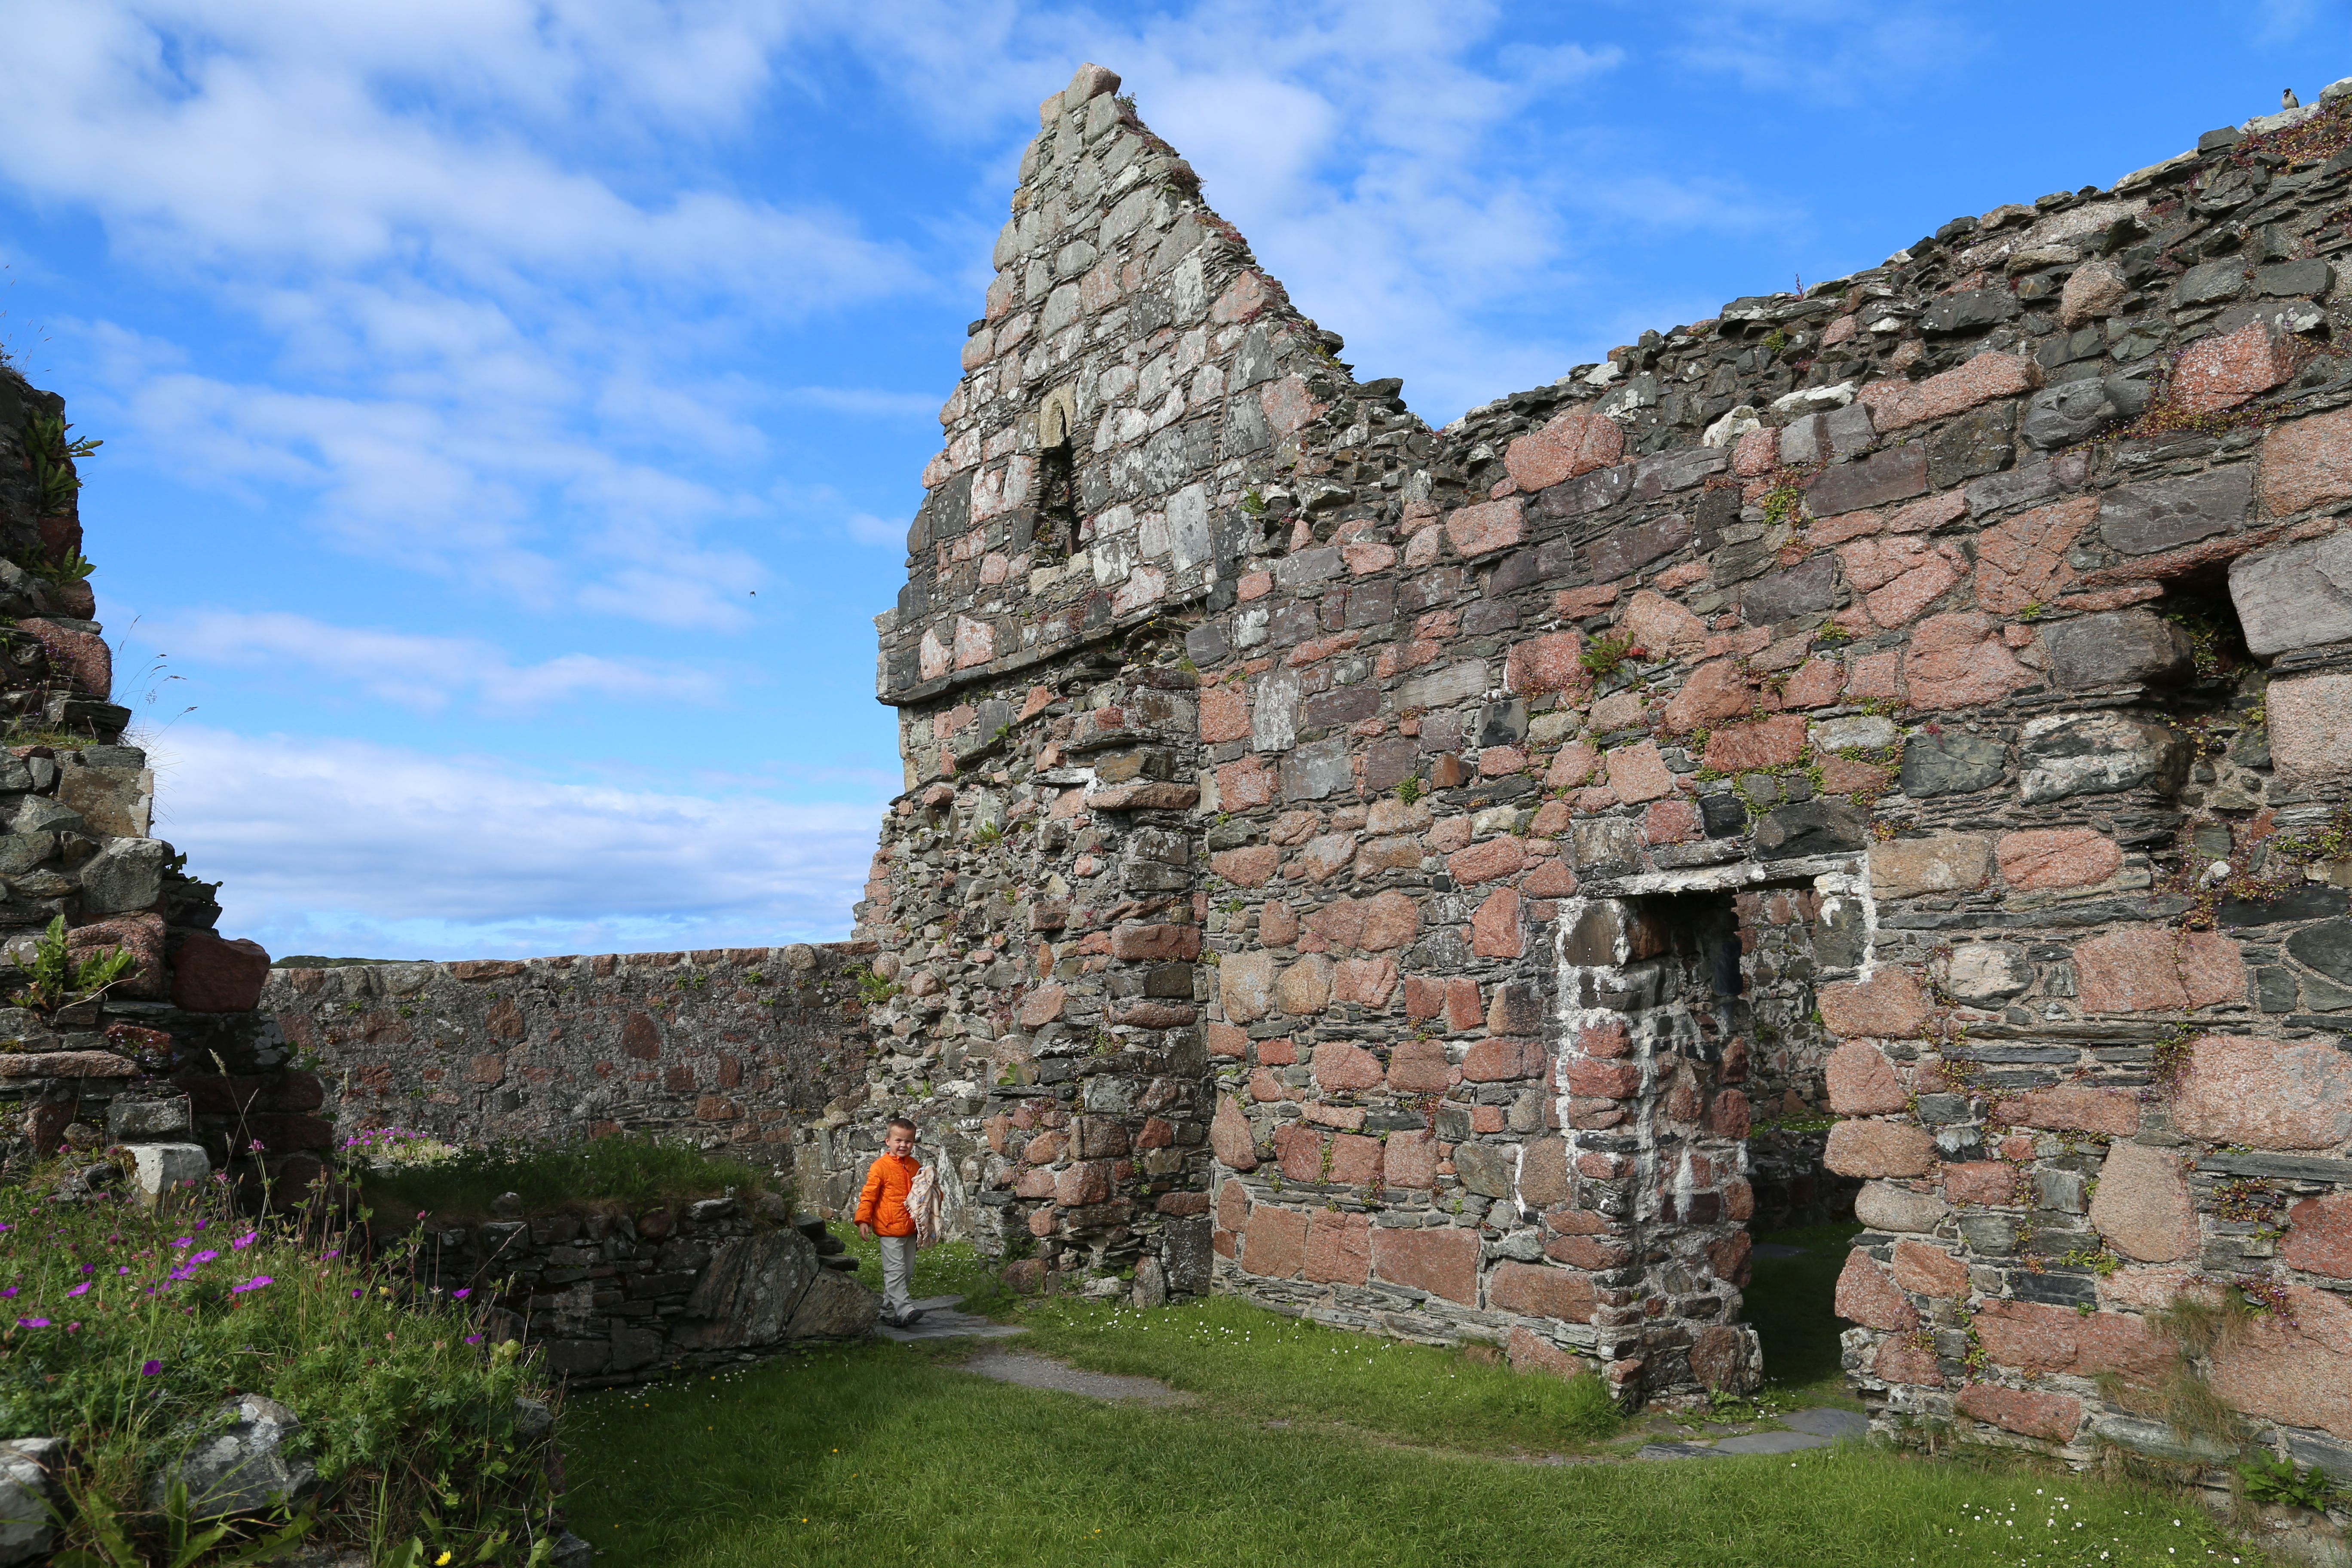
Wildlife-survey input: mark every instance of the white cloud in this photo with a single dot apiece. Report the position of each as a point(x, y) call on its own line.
point(377, 851)
point(880, 531)
point(258, 133)
point(1827, 51)
point(869, 401)
point(1379, 155)
point(423, 673)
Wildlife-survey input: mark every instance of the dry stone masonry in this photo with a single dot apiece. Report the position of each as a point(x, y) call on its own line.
point(171, 1061)
point(1449, 882)
point(736, 1046)
point(621, 1299)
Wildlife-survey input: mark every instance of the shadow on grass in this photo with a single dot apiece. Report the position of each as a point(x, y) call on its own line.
point(1789, 1301)
point(870, 1454)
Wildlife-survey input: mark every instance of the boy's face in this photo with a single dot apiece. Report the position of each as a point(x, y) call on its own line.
point(899, 1140)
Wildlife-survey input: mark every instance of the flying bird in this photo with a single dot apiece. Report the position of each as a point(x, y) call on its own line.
point(2287, 100)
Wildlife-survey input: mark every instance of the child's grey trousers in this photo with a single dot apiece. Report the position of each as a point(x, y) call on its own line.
point(897, 1263)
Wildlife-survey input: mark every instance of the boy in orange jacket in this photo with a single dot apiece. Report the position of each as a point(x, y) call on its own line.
point(882, 1211)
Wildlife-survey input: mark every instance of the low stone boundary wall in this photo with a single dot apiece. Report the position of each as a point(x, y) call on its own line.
point(617, 1300)
point(725, 1045)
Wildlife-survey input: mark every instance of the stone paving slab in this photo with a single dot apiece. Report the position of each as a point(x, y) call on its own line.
point(1770, 1443)
point(1815, 1428)
point(1036, 1372)
point(1827, 1422)
point(940, 1320)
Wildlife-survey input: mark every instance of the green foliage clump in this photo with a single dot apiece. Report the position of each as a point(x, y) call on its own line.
point(629, 1171)
point(1606, 654)
point(129, 1329)
point(2278, 1481)
point(58, 980)
point(52, 457)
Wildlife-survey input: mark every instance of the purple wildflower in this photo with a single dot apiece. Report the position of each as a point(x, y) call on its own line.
point(32, 1322)
point(255, 1283)
point(461, 1295)
point(81, 1290)
point(151, 1369)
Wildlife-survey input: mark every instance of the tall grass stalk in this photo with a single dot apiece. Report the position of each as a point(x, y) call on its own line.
point(627, 1173)
point(126, 1330)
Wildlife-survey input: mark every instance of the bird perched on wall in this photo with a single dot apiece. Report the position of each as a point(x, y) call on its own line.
point(2287, 100)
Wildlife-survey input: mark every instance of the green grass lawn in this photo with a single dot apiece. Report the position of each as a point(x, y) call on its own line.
point(1306, 1447)
point(1789, 1301)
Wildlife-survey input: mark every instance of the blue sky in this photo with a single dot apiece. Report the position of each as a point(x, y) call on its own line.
point(513, 410)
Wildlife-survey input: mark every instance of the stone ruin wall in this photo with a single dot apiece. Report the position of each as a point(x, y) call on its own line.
point(1448, 881)
point(758, 1050)
point(173, 1060)
point(1427, 878)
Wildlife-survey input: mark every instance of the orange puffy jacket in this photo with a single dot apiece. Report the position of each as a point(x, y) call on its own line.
point(882, 1203)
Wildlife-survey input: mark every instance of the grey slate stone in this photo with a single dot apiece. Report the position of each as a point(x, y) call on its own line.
point(2064, 415)
point(240, 1464)
point(1627, 550)
point(1954, 763)
point(1892, 475)
point(2098, 753)
point(28, 1488)
point(1722, 815)
point(1801, 590)
point(20, 852)
point(749, 1292)
point(1976, 443)
point(1185, 1254)
point(1587, 492)
point(1968, 313)
point(834, 1307)
point(2141, 520)
point(127, 874)
point(1318, 769)
point(2029, 483)
point(2209, 283)
point(2325, 947)
point(2118, 649)
point(2322, 1452)
point(1486, 1168)
point(1833, 437)
point(41, 815)
point(2297, 597)
point(128, 1118)
point(1662, 473)
point(1810, 827)
point(2310, 902)
point(2310, 278)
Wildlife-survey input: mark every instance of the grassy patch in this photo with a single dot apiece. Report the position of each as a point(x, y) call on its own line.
point(1269, 1367)
point(1789, 1301)
point(629, 1173)
point(127, 1330)
point(885, 1454)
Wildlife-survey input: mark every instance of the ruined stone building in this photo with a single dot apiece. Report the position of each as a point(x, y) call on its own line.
point(1886, 746)
point(1412, 875)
